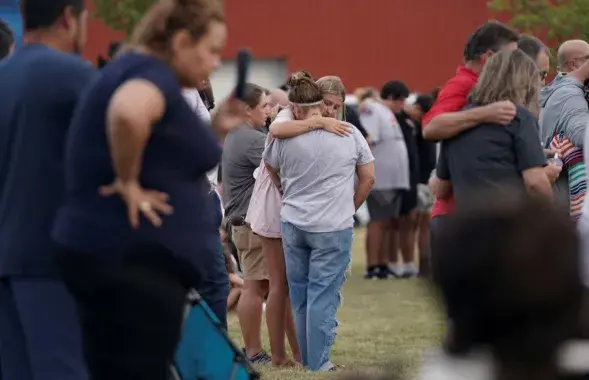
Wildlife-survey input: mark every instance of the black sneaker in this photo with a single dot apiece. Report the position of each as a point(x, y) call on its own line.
point(384, 273)
point(261, 357)
point(372, 273)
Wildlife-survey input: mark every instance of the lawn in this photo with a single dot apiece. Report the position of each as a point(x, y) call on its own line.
point(381, 322)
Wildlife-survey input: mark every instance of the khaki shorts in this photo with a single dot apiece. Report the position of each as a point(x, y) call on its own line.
point(251, 257)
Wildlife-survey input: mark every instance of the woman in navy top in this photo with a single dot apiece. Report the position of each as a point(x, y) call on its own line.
point(129, 259)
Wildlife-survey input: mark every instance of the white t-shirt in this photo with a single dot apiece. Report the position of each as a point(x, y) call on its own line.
point(198, 106)
point(391, 163)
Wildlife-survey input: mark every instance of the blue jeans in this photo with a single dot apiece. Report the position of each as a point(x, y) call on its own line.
point(215, 287)
point(316, 266)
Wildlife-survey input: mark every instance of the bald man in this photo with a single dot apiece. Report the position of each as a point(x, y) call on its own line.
point(571, 55)
point(564, 109)
point(278, 97)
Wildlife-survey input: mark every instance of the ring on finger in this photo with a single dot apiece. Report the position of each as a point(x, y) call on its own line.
point(145, 206)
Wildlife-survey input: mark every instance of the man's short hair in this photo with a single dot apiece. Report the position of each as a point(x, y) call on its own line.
point(424, 102)
point(38, 14)
point(6, 39)
point(531, 45)
point(394, 90)
point(492, 36)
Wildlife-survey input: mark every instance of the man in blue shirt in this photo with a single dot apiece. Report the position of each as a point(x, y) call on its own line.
point(39, 86)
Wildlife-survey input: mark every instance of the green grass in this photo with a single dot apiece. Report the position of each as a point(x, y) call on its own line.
point(381, 323)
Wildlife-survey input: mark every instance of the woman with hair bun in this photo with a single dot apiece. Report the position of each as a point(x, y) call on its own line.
point(139, 226)
point(315, 174)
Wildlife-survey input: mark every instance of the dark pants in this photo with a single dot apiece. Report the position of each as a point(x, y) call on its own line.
point(39, 331)
point(215, 287)
point(435, 226)
point(131, 314)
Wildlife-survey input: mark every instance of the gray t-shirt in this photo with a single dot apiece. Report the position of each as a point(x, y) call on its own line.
point(242, 153)
point(388, 146)
point(317, 172)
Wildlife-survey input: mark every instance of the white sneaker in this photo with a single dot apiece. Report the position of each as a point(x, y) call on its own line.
point(409, 271)
point(396, 270)
point(327, 367)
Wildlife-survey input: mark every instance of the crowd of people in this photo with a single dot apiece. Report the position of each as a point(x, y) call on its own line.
point(123, 188)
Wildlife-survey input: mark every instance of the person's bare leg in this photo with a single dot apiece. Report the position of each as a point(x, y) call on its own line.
point(291, 335)
point(249, 311)
point(277, 302)
point(407, 231)
point(233, 299)
point(374, 237)
point(423, 242)
point(392, 248)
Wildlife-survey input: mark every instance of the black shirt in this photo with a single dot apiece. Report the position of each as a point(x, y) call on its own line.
point(352, 118)
point(491, 157)
point(409, 131)
point(426, 151)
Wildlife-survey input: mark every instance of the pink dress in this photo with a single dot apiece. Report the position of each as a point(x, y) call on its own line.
point(263, 213)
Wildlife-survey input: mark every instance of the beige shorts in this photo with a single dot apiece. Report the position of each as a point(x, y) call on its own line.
point(251, 257)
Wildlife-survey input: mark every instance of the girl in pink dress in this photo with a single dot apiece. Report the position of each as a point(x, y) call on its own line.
point(264, 217)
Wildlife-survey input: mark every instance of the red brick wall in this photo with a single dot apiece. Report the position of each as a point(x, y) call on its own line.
point(365, 42)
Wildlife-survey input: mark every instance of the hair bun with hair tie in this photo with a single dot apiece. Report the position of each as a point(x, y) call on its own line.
point(298, 77)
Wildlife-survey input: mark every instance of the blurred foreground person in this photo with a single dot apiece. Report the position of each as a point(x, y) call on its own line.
point(516, 301)
point(140, 225)
point(6, 40)
point(315, 173)
point(39, 86)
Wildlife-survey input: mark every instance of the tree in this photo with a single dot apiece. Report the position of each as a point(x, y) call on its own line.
point(559, 20)
point(121, 15)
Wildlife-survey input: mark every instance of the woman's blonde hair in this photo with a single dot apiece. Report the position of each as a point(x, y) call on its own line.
point(333, 85)
point(167, 17)
point(509, 75)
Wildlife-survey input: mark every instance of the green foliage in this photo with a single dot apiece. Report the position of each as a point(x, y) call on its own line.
point(560, 20)
point(121, 15)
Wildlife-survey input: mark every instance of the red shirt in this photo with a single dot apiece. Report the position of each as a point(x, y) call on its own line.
point(452, 98)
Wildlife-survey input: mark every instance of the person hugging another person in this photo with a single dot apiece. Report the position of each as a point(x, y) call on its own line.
point(264, 212)
point(315, 173)
point(493, 158)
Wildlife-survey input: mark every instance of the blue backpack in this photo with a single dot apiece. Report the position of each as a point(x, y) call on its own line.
point(205, 351)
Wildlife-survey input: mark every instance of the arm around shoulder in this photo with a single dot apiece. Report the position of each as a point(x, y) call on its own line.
point(450, 124)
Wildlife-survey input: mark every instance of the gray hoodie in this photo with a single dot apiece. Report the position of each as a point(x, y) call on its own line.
point(563, 109)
